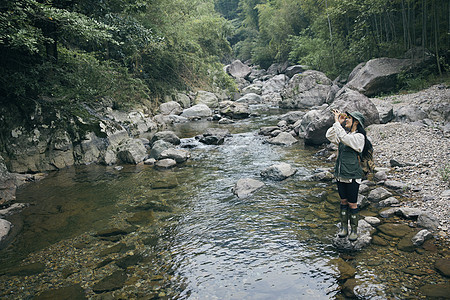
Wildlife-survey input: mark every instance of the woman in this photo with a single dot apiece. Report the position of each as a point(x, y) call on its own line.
point(348, 133)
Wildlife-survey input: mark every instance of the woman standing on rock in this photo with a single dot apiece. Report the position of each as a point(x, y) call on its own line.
point(348, 133)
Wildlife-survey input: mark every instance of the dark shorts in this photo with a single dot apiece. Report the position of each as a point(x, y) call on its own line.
point(348, 191)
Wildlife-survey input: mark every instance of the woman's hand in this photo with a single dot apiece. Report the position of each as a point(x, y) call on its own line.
point(338, 116)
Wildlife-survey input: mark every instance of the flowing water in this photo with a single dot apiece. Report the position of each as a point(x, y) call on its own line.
point(191, 237)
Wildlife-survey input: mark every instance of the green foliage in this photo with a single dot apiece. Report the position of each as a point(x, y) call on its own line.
point(445, 173)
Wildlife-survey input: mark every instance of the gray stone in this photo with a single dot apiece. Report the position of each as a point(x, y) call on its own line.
point(197, 111)
point(255, 88)
point(284, 139)
point(5, 227)
point(275, 84)
point(167, 136)
point(12, 209)
point(395, 185)
point(421, 237)
point(178, 155)
point(166, 163)
point(293, 116)
point(410, 113)
point(158, 147)
point(378, 194)
point(132, 151)
point(183, 100)
point(206, 98)
point(110, 283)
point(234, 110)
point(408, 212)
point(238, 70)
point(296, 69)
point(214, 136)
point(250, 98)
point(426, 220)
point(170, 108)
point(365, 231)
point(306, 90)
point(380, 176)
point(279, 171)
point(246, 186)
point(387, 213)
point(394, 230)
point(372, 221)
point(388, 202)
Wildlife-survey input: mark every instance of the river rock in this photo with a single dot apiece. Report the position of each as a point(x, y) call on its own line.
point(408, 212)
point(387, 213)
point(426, 220)
point(167, 136)
point(277, 68)
point(378, 194)
point(112, 282)
point(293, 116)
point(234, 110)
point(395, 185)
point(409, 113)
point(388, 202)
point(250, 98)
point(237, 69)
point(284, 139)
point(197, 111)
point(128, 261)
point(166, 163)
point(348, 288)
point(374, 221)
point(274, 85)
point(255, 88)
point(394, 230)
point(279, 171)
point(74, 292)
point(365, 231)
point(214, 136)
point(207, 98)
point(378, 75)
point(5, 227)
point(27, 270)
point(443, 266)
point(246, 186)
point(296, 69)
point(306, 90)
point(267, 130)
point(132, 151)
point(345, 270)
point(406, 244)
point(170, 108)
point(178, 155)
point(158, 147)
point(436, 291)
point(12, 209)
point(421, 237)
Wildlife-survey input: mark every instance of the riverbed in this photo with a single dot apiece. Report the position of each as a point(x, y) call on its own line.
point(142, 233)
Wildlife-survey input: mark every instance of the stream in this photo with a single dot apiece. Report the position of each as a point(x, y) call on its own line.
point(141, 233)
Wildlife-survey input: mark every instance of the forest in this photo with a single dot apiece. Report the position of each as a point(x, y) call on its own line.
point(130, 51)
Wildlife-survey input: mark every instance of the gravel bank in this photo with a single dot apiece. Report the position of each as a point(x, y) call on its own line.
point(425, 148)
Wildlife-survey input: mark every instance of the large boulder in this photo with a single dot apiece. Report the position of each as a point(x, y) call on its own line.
point(214, 136)
point(410, 113)
point(306, 90)
point(279, 171)
point(277, 68)
point(159, 147)
point(346, 100)
point(365, 231)
point(207, 98)
point(274, 85)
point(183, 100)
point(283, 139)
point(132, 151)
point(250, 98)
point(378, 75)
point(292, 70)
point(197, 111)
point(168, 136)
point(170, 108)
point(238, 70)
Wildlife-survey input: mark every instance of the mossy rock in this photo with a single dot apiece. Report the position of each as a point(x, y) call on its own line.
point(73, 292)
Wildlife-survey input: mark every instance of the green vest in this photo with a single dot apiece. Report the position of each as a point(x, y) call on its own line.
point(347, 163)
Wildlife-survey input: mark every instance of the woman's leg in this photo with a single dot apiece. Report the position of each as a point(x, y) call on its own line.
point(353, 209)
point(343, 215)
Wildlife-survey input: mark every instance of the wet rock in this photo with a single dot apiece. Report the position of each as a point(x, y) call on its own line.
point(114, 231)
point(246, 186)
point(421, 237)
point(406, 244)
point(322, 176)
point(267, 131)
point(132, 151)
point(119, 248)
point(214, 136)
point(408, 212)
point(378, 194)
point(110, 283)
point(129, 261)
point(27, 270)
point(150, 161)
point(362, 201)
point(151, 241)
point(178, 155)
point(443, 266)
point(394, 230)
point(372, 221)
point(167, 136)
point(166, 163)
point(197, 111)
point(346, 271)
point(284, 139)
point(414, 271)
point(426, 220)
point(365, 231)
point(141, 218)
point(73, 292)
point(436, 291)
point(377, 240)
point(349, 287)
point(5, 227)
point(158, 147)
point(279, 171)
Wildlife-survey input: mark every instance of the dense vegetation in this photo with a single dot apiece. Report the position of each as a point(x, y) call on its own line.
point(130, 50)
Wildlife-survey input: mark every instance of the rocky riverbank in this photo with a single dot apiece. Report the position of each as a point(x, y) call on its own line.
point(417, 151)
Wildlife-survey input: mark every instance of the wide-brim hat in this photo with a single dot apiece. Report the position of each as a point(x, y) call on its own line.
point(358, 116)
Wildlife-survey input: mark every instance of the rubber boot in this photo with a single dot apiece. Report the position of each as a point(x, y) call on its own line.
point(344, 222)
point(353, 236)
